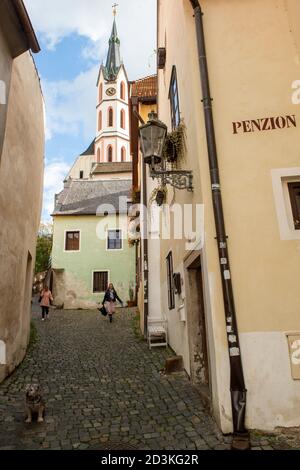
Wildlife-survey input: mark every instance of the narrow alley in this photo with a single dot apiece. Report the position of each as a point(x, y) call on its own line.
point(103, 390)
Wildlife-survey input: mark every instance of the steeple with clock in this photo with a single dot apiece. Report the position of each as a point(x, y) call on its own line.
point(112, 132)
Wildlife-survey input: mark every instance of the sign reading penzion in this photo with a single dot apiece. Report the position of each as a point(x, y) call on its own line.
point(264, 124)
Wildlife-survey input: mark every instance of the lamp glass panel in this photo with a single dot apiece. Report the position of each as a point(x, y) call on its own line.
point(158, 137)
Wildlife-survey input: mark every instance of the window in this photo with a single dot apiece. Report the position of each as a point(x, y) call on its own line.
point(114, 239)
point(109, 154)
point(122, 119)
point(122, 91)
point(98, 155)
point(100, 92)
point(171, 294)
point(72, 241)
point(294, 191)
point(81, 174)
point(100, 121)
point(123, 154)
point(110, 117)
point(100, 281)
point(174, 99)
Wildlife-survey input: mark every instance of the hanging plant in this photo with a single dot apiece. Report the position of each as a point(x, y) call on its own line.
point(174, 146)
point(135, 196)
point(159, 195)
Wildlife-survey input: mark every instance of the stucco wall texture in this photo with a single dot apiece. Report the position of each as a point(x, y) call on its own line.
point(253, 59)
point(21, 181)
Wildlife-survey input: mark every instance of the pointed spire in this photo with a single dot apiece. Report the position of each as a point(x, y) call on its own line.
point(113, 61)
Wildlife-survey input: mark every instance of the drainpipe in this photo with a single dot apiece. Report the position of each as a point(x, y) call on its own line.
point(237, 383)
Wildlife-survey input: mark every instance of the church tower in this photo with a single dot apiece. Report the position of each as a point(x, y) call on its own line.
point(112, 131)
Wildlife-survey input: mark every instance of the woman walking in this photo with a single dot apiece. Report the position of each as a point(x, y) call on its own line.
point(109, 301)
point(45, 299)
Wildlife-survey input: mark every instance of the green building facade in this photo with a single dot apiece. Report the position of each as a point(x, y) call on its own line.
point(90, 246)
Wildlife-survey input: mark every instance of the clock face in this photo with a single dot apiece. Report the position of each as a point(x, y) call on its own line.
point(111, 91)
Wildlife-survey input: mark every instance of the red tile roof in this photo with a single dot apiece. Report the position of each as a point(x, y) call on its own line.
point(145, 87)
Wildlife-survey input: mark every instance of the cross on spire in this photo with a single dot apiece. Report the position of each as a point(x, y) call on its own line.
point(115, 5)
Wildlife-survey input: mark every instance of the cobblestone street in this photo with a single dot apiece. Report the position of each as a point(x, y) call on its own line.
point(103, 389)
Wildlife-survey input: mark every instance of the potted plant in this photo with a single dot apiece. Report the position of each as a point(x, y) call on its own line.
point(174, 146)
point(130, 302)
point(136, 195)
point(158, 195)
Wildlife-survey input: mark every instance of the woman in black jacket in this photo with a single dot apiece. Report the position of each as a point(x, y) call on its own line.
point(109, 300)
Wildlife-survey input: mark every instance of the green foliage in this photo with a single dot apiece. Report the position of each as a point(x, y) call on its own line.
point(175, 146)
point(43, 248)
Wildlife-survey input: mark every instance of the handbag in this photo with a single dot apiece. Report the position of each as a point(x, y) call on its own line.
point(103, 311)
point(40, 299)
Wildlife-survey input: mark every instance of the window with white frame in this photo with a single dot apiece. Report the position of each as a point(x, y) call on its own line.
point(114, 240)
point(72, 242)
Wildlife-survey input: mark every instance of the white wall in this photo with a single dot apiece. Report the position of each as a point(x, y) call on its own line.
point(115, 135)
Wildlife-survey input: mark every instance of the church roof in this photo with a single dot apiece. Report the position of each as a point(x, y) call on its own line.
point(113, 61)
point(81, 197)
point(90, 150)
point(145, 87)
point(112, 167)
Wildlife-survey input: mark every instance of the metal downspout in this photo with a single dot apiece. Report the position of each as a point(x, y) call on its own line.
point(237, 383)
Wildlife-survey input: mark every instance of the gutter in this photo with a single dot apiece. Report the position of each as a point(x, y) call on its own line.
point(26, 25)
point(237, 384)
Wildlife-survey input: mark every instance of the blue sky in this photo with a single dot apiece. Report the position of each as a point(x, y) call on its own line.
point(73, 35)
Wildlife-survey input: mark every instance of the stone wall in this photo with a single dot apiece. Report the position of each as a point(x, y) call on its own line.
point(21, 182)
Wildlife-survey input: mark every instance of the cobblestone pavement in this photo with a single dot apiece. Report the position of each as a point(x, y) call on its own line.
point(104, 389)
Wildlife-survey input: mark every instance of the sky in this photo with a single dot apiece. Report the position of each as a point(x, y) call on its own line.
point(73, 35)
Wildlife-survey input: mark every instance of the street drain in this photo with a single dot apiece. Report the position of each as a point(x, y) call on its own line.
point(112, 445)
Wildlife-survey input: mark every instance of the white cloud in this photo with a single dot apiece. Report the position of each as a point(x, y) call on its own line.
point(136, 21)
point(55, 172)
point(71, 105)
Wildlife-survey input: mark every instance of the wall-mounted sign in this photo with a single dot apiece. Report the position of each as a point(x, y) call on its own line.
point(264, 124)
point(294, 350)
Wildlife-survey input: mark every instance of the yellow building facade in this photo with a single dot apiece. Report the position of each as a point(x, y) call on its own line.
point(253, 61)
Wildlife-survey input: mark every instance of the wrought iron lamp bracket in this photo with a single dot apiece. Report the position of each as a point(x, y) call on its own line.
point(179, 179)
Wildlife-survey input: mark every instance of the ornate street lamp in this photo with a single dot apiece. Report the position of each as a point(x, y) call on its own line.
point(153, 136)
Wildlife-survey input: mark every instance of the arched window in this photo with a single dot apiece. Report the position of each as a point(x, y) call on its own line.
point(122, 91)
point(109, 153)
point(122, 119)
point(98, 155)
point(123, 154)
point(100, 92)
point(100, 121)
point(110, 117)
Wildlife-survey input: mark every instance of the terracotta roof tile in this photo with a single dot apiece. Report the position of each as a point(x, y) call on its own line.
point(145, 87)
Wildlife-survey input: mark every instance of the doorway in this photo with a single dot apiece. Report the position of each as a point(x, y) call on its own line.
point(199, 360)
